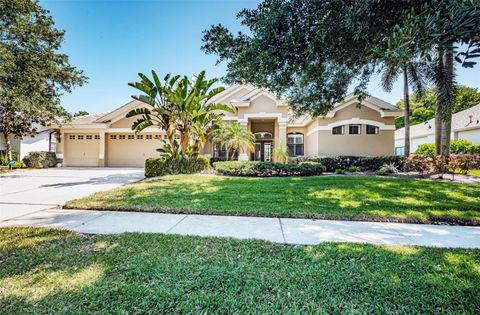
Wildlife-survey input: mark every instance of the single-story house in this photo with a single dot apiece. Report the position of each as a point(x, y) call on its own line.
point(348, 129)
point(44, 140)
point(465, 125)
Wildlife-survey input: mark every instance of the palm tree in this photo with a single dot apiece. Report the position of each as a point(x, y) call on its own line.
point(235, 137)
point(181, 108)
point(280, 152)
point(197, 116)
point(413, 73)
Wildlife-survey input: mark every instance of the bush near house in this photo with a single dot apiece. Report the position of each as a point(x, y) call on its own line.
point(4, 157)
point(437, 164)
point(457, 146)
point(40, 159)
point(163, 166)
point(268, 169)
point(364, 163)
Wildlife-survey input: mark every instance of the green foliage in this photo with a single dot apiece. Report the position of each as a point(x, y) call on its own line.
point(293, 47)
point(4, 157)
point(354, 169)
point(280, 152)
point(387, 169)
point(179, 106)
point(340, 171)
point(40, 159)
point(454, 163)
point(236, 138)
point(268, 169)
point(426, 149)
point(365, 163)
point(33, 73)
point(18, 164)
point(422, 107)
point(161, 166)
point(81, 113)
point(457, 146)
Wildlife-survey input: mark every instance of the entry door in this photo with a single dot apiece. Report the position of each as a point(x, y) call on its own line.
point(263, 151)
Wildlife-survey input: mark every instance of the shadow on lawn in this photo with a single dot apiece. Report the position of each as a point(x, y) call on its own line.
point(151, 273)
point(359, 198)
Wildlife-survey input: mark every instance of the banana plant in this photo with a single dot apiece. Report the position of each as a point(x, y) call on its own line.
point(180, 107)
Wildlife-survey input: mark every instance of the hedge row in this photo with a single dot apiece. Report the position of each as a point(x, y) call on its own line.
point(161, 166)
point(40, 159)
point(454, 163)
point(332, 163)
point(268, 169)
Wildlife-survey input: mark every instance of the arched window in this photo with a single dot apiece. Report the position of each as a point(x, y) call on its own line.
point(295, 144)
point(263, 135)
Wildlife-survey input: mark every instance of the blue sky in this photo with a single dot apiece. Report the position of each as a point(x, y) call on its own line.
point(112, 41)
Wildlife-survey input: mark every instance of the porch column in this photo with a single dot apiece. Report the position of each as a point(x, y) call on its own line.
point(101, 149)
point(282, 130)
point(60, 149)
point(243, 155)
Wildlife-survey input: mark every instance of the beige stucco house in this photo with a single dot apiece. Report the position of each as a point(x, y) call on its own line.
point(349, 129)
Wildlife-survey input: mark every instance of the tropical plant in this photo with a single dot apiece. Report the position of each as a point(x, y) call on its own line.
point(235, 137)
point(280, 152)
point(181, 108)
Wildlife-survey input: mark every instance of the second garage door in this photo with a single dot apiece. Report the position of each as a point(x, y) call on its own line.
point(130, 150)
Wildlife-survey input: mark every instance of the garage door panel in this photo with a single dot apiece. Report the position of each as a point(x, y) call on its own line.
point(123, 151)
point(81, 150)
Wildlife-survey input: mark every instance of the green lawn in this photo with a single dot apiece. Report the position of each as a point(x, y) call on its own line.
point(336, 197)
point(53, 271)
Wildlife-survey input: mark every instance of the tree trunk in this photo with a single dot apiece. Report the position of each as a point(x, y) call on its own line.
point(447, 107)
point(8, 147)
point(406, 117)
point(438, 105)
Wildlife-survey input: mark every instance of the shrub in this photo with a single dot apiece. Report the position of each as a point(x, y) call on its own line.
point(18, 164)
point(438, 164)
point(457, 146)
point(268, 169)
point(340, 171)
point(426, 149)
point(365, 163)
point(217, 159)
point(354, 169)
point(388, 169)
point(162, 166)
point(40, 159)
point(4, 157)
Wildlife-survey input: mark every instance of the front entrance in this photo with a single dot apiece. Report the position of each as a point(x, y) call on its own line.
point(263, 151)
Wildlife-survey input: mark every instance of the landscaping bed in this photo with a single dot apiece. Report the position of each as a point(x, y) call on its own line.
point(53, 271)
point(324, 197)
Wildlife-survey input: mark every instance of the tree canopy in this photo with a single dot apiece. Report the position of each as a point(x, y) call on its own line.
point(422, 106)
point(33, 74)
point(312, 51)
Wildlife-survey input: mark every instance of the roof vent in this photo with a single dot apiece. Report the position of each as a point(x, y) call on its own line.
point(470, 119)
point(429, 126)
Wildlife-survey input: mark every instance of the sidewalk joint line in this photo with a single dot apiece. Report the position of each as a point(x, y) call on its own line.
point(173, 226)
point(94, 218)
point(281, 229)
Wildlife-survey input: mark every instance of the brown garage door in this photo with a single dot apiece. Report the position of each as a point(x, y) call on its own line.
point(131, 150)
point(81, 149)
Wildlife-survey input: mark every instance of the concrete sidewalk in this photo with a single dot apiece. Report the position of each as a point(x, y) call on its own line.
point(280, 230)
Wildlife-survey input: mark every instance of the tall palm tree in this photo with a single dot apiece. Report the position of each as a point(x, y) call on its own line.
point(235, 137)
point(413, 74)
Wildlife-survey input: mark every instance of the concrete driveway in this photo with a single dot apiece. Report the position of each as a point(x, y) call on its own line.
point(28, 191)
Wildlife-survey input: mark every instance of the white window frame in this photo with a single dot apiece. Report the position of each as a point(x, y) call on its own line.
point(355, 125)
point(298, 139)
point(342, 128)
point(377, 130)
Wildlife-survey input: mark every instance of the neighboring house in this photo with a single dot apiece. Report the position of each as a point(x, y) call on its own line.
point(43, 140)
point(349, 129)
point(465, 125)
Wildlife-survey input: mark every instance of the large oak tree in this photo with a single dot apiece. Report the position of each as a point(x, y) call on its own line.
point(33, 73)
